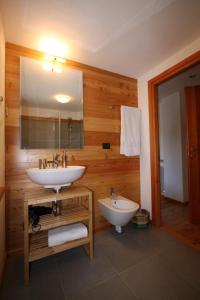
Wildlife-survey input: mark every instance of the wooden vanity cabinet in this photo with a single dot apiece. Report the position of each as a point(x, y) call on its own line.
point(76, 207)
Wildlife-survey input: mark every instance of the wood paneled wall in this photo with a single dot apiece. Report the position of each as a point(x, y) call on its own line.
point(2, 233)
point(104, 92)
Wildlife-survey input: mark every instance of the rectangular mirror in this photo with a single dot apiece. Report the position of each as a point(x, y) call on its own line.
point(51, 106)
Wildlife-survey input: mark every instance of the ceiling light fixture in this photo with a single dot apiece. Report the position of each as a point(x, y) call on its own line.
point(63, 98)
point(54, 46)
point(55, 58)
point(53, 63)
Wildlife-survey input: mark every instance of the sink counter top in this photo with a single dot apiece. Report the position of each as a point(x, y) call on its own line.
point(40, 195)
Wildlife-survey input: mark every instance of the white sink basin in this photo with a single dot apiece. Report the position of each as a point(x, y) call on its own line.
point(55, 178)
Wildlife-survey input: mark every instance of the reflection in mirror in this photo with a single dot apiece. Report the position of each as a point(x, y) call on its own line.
point(51, 106)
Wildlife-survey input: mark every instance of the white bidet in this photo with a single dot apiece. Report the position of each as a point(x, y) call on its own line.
point(118, 211)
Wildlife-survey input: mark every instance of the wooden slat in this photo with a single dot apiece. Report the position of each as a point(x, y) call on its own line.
point(41, 195)
point(2, 190)
point(105, 125)
point(76, 206)
point(68, 216)
point(107, 99)
point(109, 85)
point(39, 246)
point(92, 138)
point(2, 234)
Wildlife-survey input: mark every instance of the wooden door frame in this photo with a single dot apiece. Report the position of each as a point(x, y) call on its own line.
point(154, 129)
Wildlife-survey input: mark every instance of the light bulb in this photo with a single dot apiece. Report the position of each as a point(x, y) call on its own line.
point(63, 98)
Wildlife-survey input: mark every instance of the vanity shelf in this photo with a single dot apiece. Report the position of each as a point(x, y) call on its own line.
point(76, 203)
point(39, 246)
point(69, 216)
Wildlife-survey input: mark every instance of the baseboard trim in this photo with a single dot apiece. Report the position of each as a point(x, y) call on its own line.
point(2, 271)
point(103, 227)
point(16, 252)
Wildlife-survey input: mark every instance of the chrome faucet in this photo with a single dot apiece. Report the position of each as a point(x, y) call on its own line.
point(55, 162)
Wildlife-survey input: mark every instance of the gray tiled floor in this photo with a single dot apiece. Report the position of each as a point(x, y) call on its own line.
point(138, 264)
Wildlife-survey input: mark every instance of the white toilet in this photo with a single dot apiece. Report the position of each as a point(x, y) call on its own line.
point(118, 211)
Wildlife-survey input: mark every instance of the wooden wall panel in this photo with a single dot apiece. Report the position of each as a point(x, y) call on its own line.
point(2, 234)
point(104, 93)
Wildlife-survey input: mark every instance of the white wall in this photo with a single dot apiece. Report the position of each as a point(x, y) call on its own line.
point(145, 174)
point(170, 137)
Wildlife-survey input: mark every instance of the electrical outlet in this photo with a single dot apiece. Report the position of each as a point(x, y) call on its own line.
point(106, 145)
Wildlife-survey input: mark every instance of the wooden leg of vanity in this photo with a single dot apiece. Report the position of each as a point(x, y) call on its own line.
point(26, 244)
point(90, 225)
point(26, 273)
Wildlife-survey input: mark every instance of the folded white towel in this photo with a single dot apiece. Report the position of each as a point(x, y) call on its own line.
point(130, 131)
point(66, 233)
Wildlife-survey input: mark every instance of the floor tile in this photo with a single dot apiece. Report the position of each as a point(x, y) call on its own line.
point(126, 251)
point(137, 264)
point(78, 273)
point(108, 234)
point(113, 288)
point(185, 261)
point(44, 281)
point(175, 219)
point(152, 279)
point(13, 276)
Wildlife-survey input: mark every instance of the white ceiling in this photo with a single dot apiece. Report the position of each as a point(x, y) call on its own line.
point(124, 36)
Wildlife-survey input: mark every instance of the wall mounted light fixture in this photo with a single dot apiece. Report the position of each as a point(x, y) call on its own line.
point(53, 63)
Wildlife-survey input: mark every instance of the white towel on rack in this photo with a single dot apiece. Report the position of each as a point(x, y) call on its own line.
point(66, 233)
point(130, 131)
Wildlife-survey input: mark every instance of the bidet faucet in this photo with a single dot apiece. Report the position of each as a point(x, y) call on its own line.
point(113, 194)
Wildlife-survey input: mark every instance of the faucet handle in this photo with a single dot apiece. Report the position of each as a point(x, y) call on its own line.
point(40, 164)
point(53, 161)
point(56, 156)
point(44, 163)
point(56, 160)
point(64, 159)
